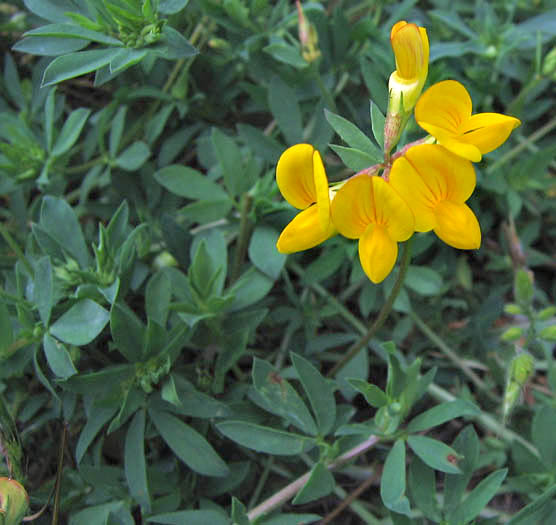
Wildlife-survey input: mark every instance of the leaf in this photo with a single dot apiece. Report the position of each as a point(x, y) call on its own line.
point(355, 159)
point(49, 46)
point(134, 156)
point(81, 323)
point(251, 287)
point(280, 397)
point(171, 7)
point(187, 182)
point(239, 512)
point(134, 461)
point(43, 289)
point(287, 54)
point(320, 392)
point(58, 357)
point(190, 517)
point(70, 131)
point(442, 413)
point(377, 123)
point(124, 59)
point(291, 519)
point(128, 332)
point(320, 483)
point(58, 219)
point(542, 432)
point(263, 253)
point(422, 485)
point(69, 31)
point(287, 115)
point(524, 515)
point(352, 135)
point(231, 162)
point(424, 280)
point(479, 497)
point(98, 416)
point(158, 294)
point(192, 448)
point(265, 439)
point(392, 483)
point(75, 64)
point(374, 395)
point(53, 10)
point(6, 329)
point(434, 453)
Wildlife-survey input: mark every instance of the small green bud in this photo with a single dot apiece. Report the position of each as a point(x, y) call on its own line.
point(513, 309)
point(522, 368)
point(512, 334)
point(549, 64)
point(546, 313)
point(548, 333)
point(523, 287)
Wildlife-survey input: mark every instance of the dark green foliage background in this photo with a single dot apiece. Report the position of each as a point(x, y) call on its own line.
point(143, 303)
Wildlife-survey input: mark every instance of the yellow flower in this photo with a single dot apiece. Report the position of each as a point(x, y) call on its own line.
point(369, 209)
point(444, 110)
point(301, 178)
point(411, 49)
point(436, 183)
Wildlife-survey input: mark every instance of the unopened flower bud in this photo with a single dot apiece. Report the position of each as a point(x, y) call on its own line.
point(308, 36)
point(512, 334)
point(546, 313)
point(548, 333)
point(549, 64)
point(14, 501)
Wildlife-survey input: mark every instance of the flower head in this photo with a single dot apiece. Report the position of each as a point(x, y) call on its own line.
point(301, 178)
point(444, 110)
point(369, 209)
point(411, 49)
point(436, 183)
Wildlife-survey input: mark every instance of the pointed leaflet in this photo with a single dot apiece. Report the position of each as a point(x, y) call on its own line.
point(392, 483)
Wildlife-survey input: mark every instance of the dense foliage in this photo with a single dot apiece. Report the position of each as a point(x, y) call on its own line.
point(163, 362)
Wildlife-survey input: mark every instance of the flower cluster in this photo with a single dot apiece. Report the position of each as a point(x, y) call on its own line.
point(422, 187)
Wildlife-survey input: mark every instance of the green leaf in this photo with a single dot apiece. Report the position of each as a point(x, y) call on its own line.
point(377, 123)
point(97, 514)
point(134, 461)
point(291, 519)
point(175, 45)
point(43, 289)
point(190, 517)
point(320, 392)
point(58, 219)
point(70, 31)
point(100, 383)
point(263, 253)
point(524, 515)
point(53, 10)
point(187, 182)
point(97, 417)
point(542, 432)
point(158, 294)
point(134, 156)
point(442, 413)
point(49, 46)
point(6, 329)
point(128, 332)
point(422, 486)
point(374, 395)
point(424, 280)
point(171, 7)
point(81, 323)
point(231, 162)
point(355, 159)
point(434, 453)
point(352, 135)
point(287, 115)
point(70, 131)
point(287, 54)
point(75, 64)
point(479, 497)
point(262, 145)
point(281, 398)
point(320, 483)
point(58, 357)
point(126, 58)
point(265, 439)
point(116, 130)
point(251, 287)
point(392, 483)
point(239, 513)
point(192, 448)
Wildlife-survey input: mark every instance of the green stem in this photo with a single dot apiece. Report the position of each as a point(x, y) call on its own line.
point(326, 95)
point(382, 315)
point(244, 228)
point(261, 482)
point(450, 354)
point(15, 247)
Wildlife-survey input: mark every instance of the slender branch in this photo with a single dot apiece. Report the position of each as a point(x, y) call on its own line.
point(289, 491)
point(241, 246)
point(382, 315)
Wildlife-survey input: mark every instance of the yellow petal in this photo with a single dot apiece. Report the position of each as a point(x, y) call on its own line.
point(457, 225)
point(392, 211)
point(353, 207)
point(445, 105)
point(413, 189)
point(304, 232)
point(377, 253)
point(294, 176)
point(321, 190)
point(410, 50)
point(487, 131)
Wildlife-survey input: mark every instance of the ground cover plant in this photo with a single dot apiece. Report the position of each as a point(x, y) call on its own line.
point(204, 315)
